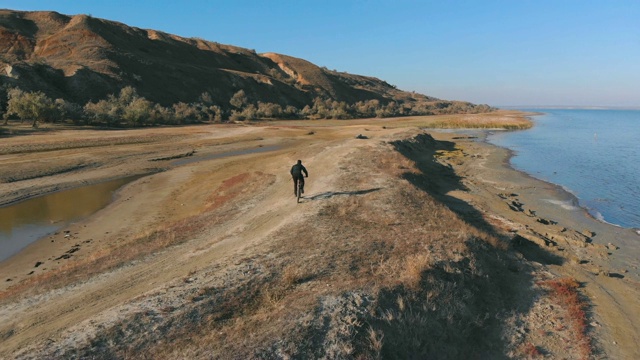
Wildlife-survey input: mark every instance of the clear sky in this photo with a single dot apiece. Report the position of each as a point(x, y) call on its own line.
point(511, 52)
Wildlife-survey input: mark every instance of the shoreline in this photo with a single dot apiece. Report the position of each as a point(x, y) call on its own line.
point(558, 193)
point(564, 149)
point(626, 238)
point(58, 188)
point(564, 193)
point(511, 154)
point(50, 227)
point(575, 200)
point(606, 266)
point(556, 197)
point(560, 242)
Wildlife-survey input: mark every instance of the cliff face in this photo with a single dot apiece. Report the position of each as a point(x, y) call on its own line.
point(81, 58)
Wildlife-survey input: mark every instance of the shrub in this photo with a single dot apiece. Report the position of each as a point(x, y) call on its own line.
point(68, 110)
point(268, 110)
point(30, 105)
point(184, 113)
point(138, 111)
point(103, 111)
point(239, 99)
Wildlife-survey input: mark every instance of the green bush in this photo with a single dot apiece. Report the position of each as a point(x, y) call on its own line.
point(128, 108)
point(35, 106)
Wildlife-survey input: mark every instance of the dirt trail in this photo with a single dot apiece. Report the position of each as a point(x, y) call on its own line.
point(270, 208)
point(237, 212)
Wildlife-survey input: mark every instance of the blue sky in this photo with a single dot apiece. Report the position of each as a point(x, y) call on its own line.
point(580, 53)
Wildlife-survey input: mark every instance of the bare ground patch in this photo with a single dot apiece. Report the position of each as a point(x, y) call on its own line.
point(392, 273)
point(391, 260)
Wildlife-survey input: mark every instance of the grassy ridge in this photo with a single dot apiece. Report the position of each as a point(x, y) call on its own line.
point(393, 273)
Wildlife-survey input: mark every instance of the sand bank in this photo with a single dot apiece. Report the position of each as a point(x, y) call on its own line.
point(221, 234)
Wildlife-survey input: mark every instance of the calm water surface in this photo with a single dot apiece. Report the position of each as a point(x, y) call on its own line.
point(27, 221)
point(594, 154)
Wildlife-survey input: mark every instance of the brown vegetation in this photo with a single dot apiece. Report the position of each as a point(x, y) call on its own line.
point(391, 254)
point(101, 72)
point(376, 312)
point(385, 287)
point(565, 290)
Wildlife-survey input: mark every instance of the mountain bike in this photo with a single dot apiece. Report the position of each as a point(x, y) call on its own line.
point(299, 191)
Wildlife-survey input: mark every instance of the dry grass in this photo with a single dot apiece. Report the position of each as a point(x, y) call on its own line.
point(140, 245)
point(502, 119)
point(424, 280)
point(396, 272)
point(565, 291)
point(54, 144)
point(531, 351)
point(510, 120)
point(423, 284)
point(414, 266)
point(376, 342)
point(295, 274)
point(479, 123)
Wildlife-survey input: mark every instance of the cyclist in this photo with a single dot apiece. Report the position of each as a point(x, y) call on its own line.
point(296, 174)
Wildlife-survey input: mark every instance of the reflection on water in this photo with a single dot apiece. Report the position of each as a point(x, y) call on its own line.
point(25, 222)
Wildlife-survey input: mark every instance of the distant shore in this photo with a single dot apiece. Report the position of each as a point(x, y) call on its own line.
point(569, 107)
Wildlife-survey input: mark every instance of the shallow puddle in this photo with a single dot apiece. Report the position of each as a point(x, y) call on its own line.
point(25, 222)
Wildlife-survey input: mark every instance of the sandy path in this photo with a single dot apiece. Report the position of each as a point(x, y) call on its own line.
point(243, 231)
point(46, 317)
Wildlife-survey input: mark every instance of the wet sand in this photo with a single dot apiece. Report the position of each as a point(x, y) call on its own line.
point(552, 202)
point(604, 258)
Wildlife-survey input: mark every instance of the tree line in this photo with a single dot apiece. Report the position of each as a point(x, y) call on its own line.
point(128, 109)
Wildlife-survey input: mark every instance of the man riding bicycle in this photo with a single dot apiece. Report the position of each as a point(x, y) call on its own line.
point(296, 174)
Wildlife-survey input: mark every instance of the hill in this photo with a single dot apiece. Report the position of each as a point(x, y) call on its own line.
point(81, 58)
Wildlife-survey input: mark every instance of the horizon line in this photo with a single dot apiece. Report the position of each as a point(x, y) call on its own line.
point(584, 107)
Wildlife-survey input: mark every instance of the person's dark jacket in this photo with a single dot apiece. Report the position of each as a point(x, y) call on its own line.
point(297, 170)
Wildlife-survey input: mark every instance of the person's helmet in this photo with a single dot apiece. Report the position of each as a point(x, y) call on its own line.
point(299, 161)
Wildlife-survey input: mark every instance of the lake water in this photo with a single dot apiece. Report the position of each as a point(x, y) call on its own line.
point(27, 221)
point(594, 154)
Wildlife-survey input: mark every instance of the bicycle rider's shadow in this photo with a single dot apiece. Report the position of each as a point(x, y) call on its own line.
point(330, 194)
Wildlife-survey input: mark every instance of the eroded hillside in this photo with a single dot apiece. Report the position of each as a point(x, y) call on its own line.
point(81, 58)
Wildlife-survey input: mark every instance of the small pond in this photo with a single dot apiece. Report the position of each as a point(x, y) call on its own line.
point(25, 222)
